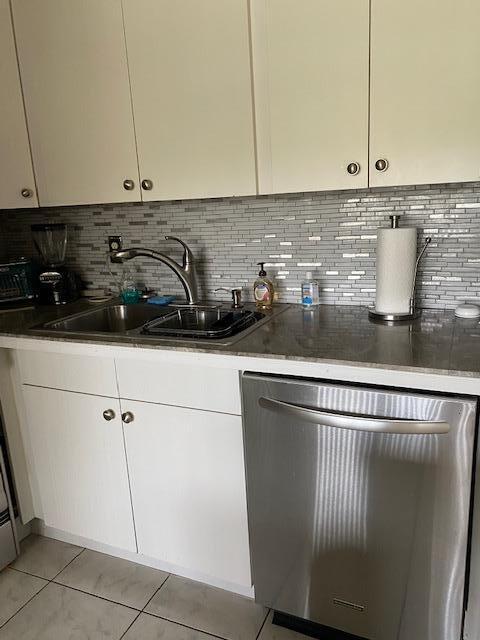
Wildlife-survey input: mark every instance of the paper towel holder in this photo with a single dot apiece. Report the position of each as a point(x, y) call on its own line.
point(413, 312)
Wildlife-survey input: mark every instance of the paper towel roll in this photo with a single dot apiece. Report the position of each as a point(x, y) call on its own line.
point(396, 256)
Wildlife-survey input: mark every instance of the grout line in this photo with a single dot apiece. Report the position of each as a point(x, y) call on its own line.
point(130, 625)
point(94, 595)
point(263, 624)
point(68, 564)
point(28, 573)
point(153, 596)
point(138, 611)
point(186, 626)
point(27, 602)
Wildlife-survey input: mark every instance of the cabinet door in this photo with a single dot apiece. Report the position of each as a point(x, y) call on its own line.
point(188, 489)
point(80, 465)
point(17, 184)
point(191, 86)
point(77, 96)
point(425, 91)
point(310, 66)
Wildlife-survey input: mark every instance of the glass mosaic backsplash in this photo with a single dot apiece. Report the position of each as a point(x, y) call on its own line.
point(332, 234)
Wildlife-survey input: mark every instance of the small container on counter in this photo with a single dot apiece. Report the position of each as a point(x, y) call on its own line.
point(310, 291)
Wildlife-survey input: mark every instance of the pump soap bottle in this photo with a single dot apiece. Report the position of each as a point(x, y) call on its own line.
point(263, 289)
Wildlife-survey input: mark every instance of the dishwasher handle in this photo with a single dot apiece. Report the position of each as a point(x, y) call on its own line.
point(354, 421)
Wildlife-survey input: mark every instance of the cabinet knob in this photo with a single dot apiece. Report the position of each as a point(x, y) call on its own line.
point(128, 417)
point(147, 185)
point(381, 164)
point(109, 414)
point(128, 185)
point(26, 193)
point(353, 168)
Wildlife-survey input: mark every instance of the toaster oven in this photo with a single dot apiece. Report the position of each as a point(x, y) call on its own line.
point(16, 280)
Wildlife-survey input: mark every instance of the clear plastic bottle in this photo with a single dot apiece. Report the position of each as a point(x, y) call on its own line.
point(310, 294)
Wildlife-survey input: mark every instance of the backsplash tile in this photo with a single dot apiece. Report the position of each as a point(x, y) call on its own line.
point(332, 234)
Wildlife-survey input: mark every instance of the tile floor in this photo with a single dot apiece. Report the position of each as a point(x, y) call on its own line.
point(56, 590)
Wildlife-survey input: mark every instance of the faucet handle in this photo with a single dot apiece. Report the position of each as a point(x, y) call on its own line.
point(187, 252)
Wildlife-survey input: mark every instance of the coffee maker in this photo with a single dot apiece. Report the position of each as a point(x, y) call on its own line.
point(57, 284)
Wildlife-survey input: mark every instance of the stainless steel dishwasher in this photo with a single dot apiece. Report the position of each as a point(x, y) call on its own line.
point(358, 504)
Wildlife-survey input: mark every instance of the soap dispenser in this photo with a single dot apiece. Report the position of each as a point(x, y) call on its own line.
point(263, 290)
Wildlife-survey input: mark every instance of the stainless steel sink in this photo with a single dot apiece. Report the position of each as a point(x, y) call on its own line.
point(118, 318)
point(203, 322)
point(200, 323)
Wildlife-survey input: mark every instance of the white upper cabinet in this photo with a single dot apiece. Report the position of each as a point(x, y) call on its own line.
point(191, 86)
point(75, 80)
point(425, 91)
point(310, 68)
point(17, 184)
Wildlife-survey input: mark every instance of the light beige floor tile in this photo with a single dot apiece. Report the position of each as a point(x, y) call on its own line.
point(149, 628)
point(208, 609)
point(273, 632)
point(44, 557)
point(112, 578)
point(15, 590)
point(59, 613)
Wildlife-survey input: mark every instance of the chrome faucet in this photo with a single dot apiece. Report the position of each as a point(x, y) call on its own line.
point(186, 272)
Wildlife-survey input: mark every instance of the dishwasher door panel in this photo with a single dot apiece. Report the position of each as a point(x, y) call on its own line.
point(360, 531)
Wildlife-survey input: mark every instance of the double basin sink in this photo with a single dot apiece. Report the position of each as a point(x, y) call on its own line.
point(200, 322)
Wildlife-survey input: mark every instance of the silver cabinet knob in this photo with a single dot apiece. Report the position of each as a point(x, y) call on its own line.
point(128, 417)
point(353, 168)
point(26, 193)
point(128, 185)
point(147, 185)
point(381, 164)
point(109, 414)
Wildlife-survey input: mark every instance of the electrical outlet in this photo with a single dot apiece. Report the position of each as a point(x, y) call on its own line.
point(114, 244)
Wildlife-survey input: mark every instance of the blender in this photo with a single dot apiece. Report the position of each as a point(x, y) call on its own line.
point(57, 284)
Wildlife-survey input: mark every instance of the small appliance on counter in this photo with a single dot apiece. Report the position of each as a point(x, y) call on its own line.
point(57, 284)
point(17, 281)
point(396, 273)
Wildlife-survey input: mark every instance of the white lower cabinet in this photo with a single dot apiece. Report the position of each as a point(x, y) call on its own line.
point(188, 488)
point(166, 483)
point(79, 465)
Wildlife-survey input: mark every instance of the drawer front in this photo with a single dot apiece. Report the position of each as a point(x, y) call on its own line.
point(197, 387)
point(84, 374)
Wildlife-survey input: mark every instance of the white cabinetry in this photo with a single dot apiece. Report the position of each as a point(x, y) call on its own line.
point(425, 91)
point(77, 96)
point(17, 184)
point(310, 66)
point(80, 465)
point(194, 386)
point(191, 89)
point(173, 479)
point(232, 97)
point(188, 489)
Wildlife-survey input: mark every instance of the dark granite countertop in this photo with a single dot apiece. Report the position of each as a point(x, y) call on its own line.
point(437, 342)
